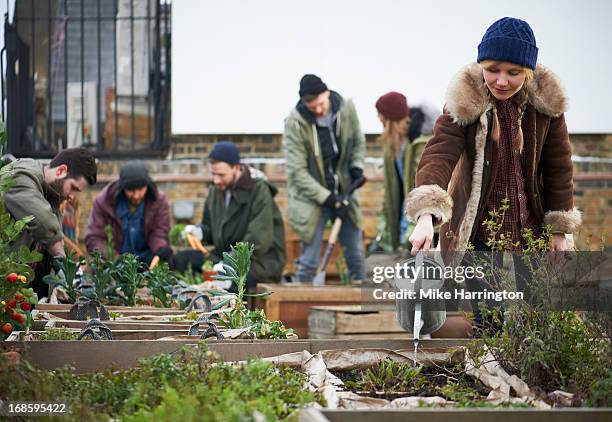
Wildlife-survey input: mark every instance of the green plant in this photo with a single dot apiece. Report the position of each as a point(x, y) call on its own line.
point(109, 242)
point(129, 278)
point(160, 282)
point(58, 334)
point(190, 278)
point(548, 348)
point(164, 387)
point(102, 274)
point(175, 235)
point(345, 278)
point(389, 376)
point(237, 264)
point(207, 265)
point(69, 266)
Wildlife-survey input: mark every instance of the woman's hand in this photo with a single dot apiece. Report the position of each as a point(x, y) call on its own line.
point(423, 234)
point(558, 243)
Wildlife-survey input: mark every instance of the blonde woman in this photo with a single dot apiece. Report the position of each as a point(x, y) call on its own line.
point(403, 145)
point(502, 135)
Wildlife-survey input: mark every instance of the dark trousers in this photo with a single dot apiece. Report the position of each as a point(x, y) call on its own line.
point(491, 282)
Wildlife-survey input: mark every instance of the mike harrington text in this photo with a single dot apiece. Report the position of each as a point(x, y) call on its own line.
point(437, 294)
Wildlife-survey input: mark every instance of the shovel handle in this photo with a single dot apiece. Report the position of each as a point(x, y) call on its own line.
point(335, 230)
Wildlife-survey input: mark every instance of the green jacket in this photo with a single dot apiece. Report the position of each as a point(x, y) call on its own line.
point(396, 189)
point(305, 176)
point(31, 195)
point(252, 216)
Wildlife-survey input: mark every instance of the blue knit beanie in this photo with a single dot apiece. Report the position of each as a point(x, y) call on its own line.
point(225, 151)
point(509, 40)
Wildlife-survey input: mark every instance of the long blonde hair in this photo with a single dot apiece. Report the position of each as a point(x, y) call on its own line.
point(392, 135)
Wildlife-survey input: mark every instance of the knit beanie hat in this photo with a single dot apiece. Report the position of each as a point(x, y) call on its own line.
point(225, 151)
point(393, 106)
point(509, 40)
point(311, 85)
point(133, 175)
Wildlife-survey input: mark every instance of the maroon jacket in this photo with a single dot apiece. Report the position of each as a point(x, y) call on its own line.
point(104, 211)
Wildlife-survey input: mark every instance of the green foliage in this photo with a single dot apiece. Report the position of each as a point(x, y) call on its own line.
point(109, 242)
point(237, 264)
point(129, 278)
point(69, 264)
point(389, 376)
point(547, 348)
point(58, 334)
point(102, 275)
point(345, 278)
point(175, 235)
point(188, 386)
point(208, 265)
point(160, 282)
point(189, 277)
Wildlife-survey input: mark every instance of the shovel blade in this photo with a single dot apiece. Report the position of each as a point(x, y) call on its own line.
point(319, 279)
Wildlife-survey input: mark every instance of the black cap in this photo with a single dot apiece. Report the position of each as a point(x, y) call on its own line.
point(311, 85)
point(133, 175)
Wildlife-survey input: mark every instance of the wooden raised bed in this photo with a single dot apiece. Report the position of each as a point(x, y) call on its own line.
point(120, 335)
point(458, 415)
point(121, 325)
point(290, 302)
point(352, 321)
point(91, 356)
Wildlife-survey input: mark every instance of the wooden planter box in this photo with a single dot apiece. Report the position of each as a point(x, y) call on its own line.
point(458, 415)
point(290, 302)
point(354, 321)
point(125, 312)
point(121, 325)
point(119, 335)
point(92, 356)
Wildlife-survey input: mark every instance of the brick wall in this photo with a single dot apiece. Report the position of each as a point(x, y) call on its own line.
point(184, 177)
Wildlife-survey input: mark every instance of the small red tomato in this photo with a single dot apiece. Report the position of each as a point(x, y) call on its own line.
point(9, 310)
point(12, 303)
point(16, 317)
point(19, 297)
point(23, 279)
point(25, 306)
point(7, 328)
point(12, 277)
point(22, 318)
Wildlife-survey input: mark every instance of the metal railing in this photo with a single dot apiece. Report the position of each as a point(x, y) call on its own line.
point(92, 73)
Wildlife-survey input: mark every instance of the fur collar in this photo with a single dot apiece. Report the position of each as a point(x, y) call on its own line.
point(467, 96)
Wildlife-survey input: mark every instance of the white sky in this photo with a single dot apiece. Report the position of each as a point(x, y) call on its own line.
point(237, 63)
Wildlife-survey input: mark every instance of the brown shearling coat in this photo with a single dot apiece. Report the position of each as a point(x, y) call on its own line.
point(459, 164)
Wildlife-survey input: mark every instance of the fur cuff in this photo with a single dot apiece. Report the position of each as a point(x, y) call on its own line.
point(563, 221)
point(429, 199)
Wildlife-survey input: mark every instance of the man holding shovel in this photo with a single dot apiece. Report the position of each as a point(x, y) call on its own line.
point(324, 150)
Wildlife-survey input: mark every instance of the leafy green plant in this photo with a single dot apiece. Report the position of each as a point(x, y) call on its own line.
point(207, 265)
point(164, 387)
point(175, 235)
point(69, 265)
point(58, 334)
point(109, 242)
point(548, 348)
point(345, 278)
point(189, 277)
point(160, 282)
point(129, 278)
point(237, 264)
point(389, 376)
point(102, 274)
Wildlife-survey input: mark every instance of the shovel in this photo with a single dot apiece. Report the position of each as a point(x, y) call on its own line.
point(319, 279)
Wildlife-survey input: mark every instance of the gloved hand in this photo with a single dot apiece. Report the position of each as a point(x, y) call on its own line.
point(223, 284)
point(194, 230)
point(339, 204)
point(357, 177)
point(166, 254)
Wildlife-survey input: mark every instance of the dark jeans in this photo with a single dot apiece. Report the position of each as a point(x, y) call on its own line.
point(491, 282)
